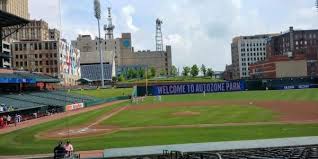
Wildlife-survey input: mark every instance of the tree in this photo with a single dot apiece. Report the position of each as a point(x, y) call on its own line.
point(194, 71)
point(131, 74)
point(153, 72)
point(121, 78)
point(141, 73)
point(162, 72)
point(186, 71)
point(210, 72)
point(174, 71)
point(203, 70)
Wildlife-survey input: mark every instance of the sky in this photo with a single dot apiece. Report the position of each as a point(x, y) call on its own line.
point(199, 31)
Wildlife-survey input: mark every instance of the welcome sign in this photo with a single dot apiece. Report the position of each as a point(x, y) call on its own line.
point(192, 88)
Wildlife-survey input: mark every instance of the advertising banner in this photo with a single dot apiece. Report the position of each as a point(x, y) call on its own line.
point(192, 88)
point(74, 106)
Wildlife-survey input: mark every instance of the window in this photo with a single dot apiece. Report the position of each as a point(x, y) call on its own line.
point(20, 47)
point(51, 46)
point(41, 64)
point(47, 70)
point(55, 62)
point(51, 62)
point(40, 56)
point(54, 46)
point(35, 46)
point(36, 56)
point(55, 55)
point(40, 46)
point(46, 46)
point(25, 56)
point(47, 55)
point(21, 56)
point(41, 70)
point(25, 63)
point(16, 64)
point(16, 47)
point(47, 62)
point(21, 64)
point(24, 46)
point(17, 56)
point(36, 63)
point(51, 55)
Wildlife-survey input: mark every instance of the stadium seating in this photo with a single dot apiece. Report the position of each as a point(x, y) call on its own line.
point(93, 72)
point(47, 98)
point(298, 152)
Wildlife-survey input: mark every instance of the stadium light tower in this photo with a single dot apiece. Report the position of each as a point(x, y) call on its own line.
point(98, 17)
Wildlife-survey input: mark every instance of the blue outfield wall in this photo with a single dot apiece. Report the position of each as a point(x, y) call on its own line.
point(192, 88)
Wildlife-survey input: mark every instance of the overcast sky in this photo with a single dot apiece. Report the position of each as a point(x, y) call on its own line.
point(200, 31)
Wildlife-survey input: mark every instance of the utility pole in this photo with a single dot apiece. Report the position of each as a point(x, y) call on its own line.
point(98, 17)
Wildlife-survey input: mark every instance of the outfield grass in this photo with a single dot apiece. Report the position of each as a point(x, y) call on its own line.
point(272, 95)
point(105, 93)
point(208, 115)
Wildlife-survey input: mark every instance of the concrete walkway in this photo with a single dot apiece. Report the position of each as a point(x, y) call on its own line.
point(211, 146)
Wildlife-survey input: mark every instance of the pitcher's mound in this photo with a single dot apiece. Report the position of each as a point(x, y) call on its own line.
point(186, 113)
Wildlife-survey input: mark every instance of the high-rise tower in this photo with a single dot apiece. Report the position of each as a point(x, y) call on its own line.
point(109, 27)
point(159, 40)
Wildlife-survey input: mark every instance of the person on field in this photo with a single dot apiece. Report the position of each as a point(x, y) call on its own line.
point(1, 122)
point(59, 151)
point(16, 119)
point(69, 149)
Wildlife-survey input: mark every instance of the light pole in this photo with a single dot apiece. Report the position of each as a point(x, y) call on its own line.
point(98, 16)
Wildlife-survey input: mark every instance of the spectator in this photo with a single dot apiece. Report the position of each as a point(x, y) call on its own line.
point(69, 148)
point(59, 151)
point(16, 120)
point(35, 115)
point(19, 118)
point(1, 122)
point(2, 108)
point(8, 119)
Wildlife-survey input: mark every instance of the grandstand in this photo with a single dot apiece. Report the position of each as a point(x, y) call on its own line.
point(91, 73)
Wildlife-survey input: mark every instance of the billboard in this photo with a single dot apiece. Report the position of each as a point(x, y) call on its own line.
point(192, 88)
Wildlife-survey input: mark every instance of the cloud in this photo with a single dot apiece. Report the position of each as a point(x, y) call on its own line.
point(199, 32)
point(128, 12)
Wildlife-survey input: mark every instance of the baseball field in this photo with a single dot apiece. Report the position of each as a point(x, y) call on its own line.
point(173, 120)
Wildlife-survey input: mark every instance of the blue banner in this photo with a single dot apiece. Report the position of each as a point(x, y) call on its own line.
point(303, 86)
point(192, 88)
point(17, 80)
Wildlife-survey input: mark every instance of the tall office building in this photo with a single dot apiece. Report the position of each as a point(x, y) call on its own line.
point(16, 7)
point(247, 50)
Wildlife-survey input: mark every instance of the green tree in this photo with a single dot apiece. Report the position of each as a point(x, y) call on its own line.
point(162, 72)
point(203, 70)
point(186, 71)
point(210, 72)
point(194, 71)
point(174, 71)
point(131, 74)
point(121, 78)
point(153, 72)
point(141, 73)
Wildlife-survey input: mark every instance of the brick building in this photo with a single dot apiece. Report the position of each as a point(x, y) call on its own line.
point(290, 54)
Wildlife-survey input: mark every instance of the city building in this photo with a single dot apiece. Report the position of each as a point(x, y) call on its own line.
point(296, 48)
point(51, 57)
point(5, 60)
point(120, 53)
point(247, 50)
point(17, 7)
point(36, 30)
